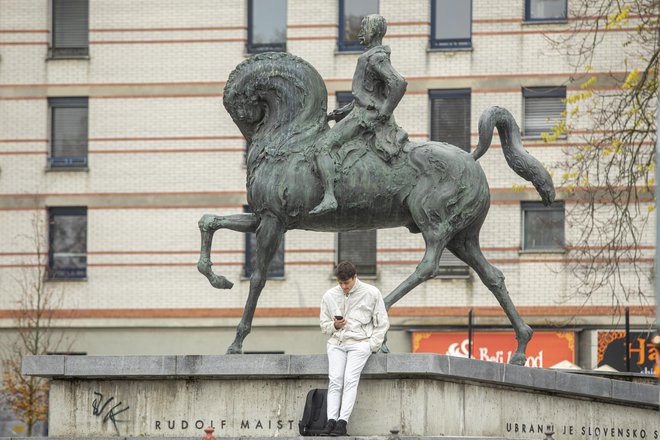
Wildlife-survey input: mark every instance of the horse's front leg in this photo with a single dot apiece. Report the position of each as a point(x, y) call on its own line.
point(269, 236)
point(208, 224)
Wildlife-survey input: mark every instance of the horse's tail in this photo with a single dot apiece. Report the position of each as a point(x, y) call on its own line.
point(519, 160)
point(276, 99)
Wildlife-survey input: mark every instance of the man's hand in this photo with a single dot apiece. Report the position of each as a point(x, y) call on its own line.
point(339, 324)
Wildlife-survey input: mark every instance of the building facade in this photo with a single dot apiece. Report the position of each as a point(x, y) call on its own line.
point(114, 142)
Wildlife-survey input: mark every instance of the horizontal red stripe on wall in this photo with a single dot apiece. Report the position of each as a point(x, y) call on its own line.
point(313, 312)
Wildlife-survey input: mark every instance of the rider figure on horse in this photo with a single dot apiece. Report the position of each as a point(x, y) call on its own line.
point(377, 89)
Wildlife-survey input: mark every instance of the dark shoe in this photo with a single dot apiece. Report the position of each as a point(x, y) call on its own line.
point(340, 429)
point(329, 426)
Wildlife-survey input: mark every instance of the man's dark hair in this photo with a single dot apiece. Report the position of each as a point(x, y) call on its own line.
point(345, 271)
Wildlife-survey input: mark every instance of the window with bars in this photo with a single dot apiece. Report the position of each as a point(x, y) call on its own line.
point(276, 268)
point(68, 132)
point(543, 226)
point(545, 10)
point(67, 243)
point(358, 247)
point(451, 24)
point(450, 117)
point(70, 28)
point(266, 26)
point(545, 107)
point(351, 13)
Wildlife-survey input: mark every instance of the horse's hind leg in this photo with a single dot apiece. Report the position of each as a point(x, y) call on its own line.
point(466, 247)
point(269, 235)
point(208, 224)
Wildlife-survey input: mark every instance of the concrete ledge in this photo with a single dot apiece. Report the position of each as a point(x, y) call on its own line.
point(394, 366)
point(371, 437)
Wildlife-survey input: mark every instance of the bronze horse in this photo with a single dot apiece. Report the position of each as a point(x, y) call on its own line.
point(279, 103)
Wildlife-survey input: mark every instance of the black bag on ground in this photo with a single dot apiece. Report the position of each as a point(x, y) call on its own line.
point(315, 413)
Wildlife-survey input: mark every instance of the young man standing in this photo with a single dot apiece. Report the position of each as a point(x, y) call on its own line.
point(354, 314)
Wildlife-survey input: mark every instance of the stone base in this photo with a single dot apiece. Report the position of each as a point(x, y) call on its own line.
point(263, 396)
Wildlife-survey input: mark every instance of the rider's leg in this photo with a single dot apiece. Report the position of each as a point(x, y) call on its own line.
point(334, 138)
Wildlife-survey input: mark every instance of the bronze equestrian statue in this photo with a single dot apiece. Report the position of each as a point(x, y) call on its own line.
point(379, 179)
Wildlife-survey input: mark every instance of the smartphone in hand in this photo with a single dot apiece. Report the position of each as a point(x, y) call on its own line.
point(339, 317)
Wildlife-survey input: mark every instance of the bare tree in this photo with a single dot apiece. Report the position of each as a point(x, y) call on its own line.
point(36, 299)
point(611, 174)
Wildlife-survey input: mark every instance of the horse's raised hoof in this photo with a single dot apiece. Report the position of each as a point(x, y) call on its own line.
point(220, 282)
point(234, 349)
point(384, 349)
point(518, 359)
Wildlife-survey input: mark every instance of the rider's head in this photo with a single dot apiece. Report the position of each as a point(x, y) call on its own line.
point(373, 29)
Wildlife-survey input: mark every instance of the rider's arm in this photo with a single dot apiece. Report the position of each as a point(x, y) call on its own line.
point(341, 112)
point(396, 84)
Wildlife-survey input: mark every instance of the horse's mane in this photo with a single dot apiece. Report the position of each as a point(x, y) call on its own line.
point(279, 102)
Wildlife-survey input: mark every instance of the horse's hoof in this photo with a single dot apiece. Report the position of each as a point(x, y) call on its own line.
point(234, 349)
point(518, 359)
point(220, 282)
point(384, 349)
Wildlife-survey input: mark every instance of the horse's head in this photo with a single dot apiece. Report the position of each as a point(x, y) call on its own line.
point(274, 97)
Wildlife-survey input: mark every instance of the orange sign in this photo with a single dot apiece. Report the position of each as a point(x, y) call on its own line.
point(546, 349)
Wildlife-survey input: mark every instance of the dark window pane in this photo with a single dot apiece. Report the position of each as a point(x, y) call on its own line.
point(359, 247)
point(452, 19)
point(547, 9)
point(344, 98)
point(450, 117)
point(354, 12)
point(544, 108)
point(543, 226)
point(69, 134)
point(70, 24)
point(68, 242)
point(267, 25)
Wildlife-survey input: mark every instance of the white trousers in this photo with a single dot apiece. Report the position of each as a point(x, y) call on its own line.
point(345, 365)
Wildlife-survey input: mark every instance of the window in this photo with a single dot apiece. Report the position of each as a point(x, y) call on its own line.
point(543, 226)
point(68, 126)
point(451, 24)
point(545, 10)
point(450, 117)
point(344, 98)
point(276, 268)
point(545, 107)
point(67, 243)
point(266, 26)
point(351, 13)
point(451, 266)
point(358, 247)
point(70, 29)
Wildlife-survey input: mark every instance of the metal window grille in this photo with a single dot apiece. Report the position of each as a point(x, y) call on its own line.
point(67, 242)
point(276, 268)
point(358, 247)
point(70, 29)
point(351, 13)
point(450, 117)
point(545, 107)
point(266, 26)
point(543, 226)
point(69, 132)
point(451, 266)
point(451, 24)
point(546, 10)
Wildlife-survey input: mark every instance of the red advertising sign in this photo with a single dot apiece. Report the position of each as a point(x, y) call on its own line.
point(545, 350)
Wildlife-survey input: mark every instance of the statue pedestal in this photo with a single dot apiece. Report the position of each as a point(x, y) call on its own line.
point(263, 396)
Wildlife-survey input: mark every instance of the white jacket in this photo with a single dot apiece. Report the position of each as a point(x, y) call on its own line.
point(364, 310)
